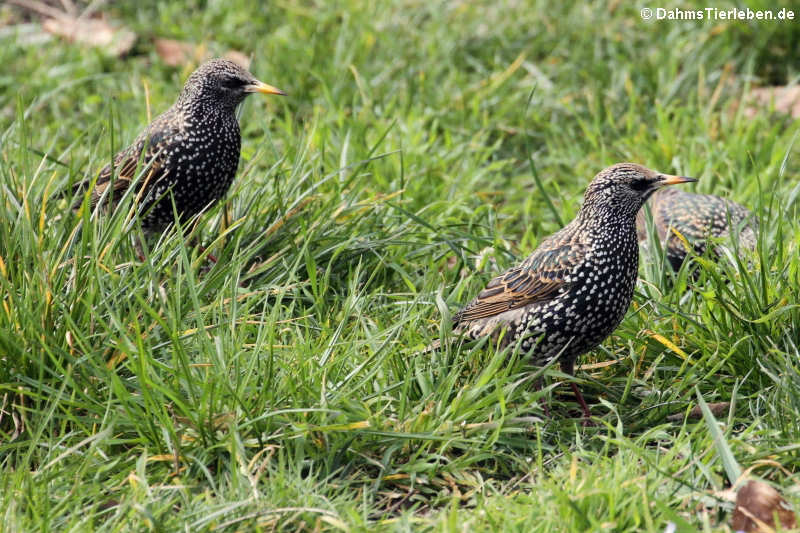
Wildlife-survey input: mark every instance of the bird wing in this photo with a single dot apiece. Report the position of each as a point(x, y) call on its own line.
point(126, 163)
point(539, 278)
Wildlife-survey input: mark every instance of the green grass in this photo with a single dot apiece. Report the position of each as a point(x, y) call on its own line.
point(423, 147)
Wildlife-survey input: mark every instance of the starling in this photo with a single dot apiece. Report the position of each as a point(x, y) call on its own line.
point(696, 217)
point(575, 288)
point(189, 154)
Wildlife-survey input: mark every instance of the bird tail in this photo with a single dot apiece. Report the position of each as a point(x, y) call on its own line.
point(457, 335)
point(435, 346)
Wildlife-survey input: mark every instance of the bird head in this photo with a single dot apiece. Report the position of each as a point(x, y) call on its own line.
point(625, 187)
point(223, 82)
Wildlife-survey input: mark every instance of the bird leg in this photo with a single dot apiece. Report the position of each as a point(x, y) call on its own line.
point(209, 256)
point(138, 248)
point(543, 400)
point(568, 367)
point(587, 415)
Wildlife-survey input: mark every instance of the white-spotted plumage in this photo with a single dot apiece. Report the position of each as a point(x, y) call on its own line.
point(696, 217)
point(190, 152)
point(575, 288)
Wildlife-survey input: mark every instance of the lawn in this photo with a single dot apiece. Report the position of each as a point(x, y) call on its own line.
point(423, 147)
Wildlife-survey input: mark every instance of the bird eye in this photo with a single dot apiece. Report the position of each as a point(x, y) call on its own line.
point(640, 185)
point(232, 83)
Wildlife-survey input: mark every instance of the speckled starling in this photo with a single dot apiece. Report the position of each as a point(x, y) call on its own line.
point(696, 217)
point(575, 288)
point(188, 154)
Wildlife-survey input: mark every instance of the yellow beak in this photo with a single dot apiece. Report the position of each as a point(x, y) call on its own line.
point(260, 87)
point(668, 179)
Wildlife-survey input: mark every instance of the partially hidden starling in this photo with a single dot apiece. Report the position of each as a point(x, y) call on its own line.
point(696, 217)
point(189, 153)
point(574, 289)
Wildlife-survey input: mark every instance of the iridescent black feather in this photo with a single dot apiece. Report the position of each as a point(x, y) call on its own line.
point(188, 154)
point(575, 288)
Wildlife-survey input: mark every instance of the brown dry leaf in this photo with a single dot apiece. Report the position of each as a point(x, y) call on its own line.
point(717, 408)
point(116, 40)
point(756, 506)
point(238, 57)
point(176, 53)
point(786, 99)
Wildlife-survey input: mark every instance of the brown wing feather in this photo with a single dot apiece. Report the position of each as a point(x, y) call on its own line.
point(120, 185)
point(126, 164)
point(539, 278)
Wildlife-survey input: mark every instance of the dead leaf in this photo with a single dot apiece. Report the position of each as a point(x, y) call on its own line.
point(786, 100)
point(756, 506)
point(238, 57)
point(86, 27)
point(176, 53)
point(718, 409)
point(98, 32)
